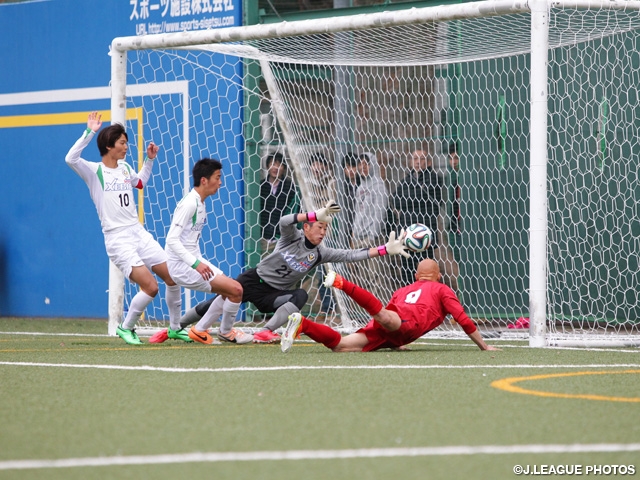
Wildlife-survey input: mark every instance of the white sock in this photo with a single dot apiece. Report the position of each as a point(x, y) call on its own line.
point(212, 315)
point(173, 299)
point(229, 312)
point(138, 303)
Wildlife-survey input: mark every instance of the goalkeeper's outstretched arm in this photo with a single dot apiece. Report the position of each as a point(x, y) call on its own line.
point(394, 246)
point(325, 214)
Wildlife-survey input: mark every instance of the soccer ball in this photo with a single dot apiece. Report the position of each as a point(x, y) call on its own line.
point(418, 237)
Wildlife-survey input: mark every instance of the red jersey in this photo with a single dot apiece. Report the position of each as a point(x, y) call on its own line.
point(422, 306)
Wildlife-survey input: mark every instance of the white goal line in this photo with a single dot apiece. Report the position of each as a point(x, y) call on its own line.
point(598, 347)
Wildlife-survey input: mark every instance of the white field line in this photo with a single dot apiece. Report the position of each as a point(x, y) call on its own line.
point(318, 454)
point(460, 343)
point(310, 367)
point(313, 454)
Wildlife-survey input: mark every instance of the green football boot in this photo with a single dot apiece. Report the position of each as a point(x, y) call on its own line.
point(129, 336)
point(181, 334)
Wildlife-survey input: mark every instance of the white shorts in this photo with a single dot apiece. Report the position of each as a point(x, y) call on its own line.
point(134, 247)
point(190, 278)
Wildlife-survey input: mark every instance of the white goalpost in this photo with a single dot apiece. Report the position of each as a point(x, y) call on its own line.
point(537, 226)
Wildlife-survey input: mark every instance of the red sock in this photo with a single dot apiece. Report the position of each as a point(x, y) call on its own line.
point(320, 333)
point(362, 297)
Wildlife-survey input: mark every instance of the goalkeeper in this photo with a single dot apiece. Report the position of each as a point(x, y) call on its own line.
point(272, 286)
point(412, 311)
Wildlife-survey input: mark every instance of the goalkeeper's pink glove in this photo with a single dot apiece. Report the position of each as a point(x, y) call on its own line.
point(394, 246)
point(325, 213)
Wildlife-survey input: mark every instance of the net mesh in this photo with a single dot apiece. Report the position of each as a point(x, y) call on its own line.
point(403, 98)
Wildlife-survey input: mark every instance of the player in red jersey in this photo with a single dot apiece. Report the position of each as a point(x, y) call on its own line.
point(412, 311)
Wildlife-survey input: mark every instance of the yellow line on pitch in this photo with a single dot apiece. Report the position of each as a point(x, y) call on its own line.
point(507, 384)
point(68, 118)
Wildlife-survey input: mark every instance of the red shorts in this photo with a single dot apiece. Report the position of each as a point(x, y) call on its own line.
point(379, 338)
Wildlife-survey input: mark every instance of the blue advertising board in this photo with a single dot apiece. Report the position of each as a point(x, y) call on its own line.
point(52, 257)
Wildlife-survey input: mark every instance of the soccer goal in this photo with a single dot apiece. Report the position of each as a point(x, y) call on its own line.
point(537, 227)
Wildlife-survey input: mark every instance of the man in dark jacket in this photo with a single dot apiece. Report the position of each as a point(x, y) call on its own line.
point(277, 196)
point(417, 199)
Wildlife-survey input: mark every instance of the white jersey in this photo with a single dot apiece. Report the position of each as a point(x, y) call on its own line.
point(111, 188)
point(183, 239)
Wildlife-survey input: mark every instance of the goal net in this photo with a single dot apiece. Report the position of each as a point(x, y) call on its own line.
point(512, 133)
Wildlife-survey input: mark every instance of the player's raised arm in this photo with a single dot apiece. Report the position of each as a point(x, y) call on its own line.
point(145, 171)
point(94, 121)
point(152, 151)
point(73, 157)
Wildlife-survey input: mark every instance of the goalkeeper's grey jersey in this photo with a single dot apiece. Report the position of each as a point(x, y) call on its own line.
point(293, 259)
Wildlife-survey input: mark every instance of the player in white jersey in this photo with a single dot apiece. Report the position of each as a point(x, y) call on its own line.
point(273, 285)
point(129, 246)
point(191, 270)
